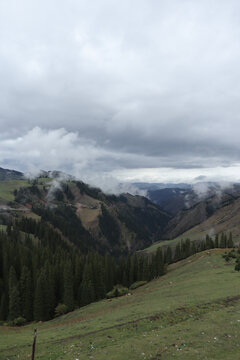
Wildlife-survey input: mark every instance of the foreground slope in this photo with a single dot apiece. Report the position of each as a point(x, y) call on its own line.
point(190, 313)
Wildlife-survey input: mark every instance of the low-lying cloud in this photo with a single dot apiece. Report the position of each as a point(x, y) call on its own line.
point(140, 90)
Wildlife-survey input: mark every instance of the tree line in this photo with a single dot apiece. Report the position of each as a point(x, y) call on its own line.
point(41, 276)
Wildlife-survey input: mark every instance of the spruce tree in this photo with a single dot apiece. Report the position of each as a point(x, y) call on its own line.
point(222, 241)
point(230, 241)
point(216, 244)
point(159, 262)
point(68, 297)
point(14, 303)
point(168, 255)
point(42, 300)
point(3, 307)
point(87, 288)
point(26, 292)
point(193, 248)
point(146, 274)
point(177, 255)
point(14, 296)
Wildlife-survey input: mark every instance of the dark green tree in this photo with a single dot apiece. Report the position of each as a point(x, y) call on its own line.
point(26, 292)
point(230, 243)
point(68, 297)
point(14, 296)
point(3, 307)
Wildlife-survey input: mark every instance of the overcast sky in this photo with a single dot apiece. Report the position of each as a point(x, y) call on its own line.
point(140, 90)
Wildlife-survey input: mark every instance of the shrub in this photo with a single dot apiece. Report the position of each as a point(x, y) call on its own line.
point(61, 309)
point(137, 284)
point(19, 321)
point(118, 290)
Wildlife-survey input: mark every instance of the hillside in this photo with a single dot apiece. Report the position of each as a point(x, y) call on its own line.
point(173, 200)
point(85, 216)
point(225, 219)
point(190, 313)
point(214, 214)
point(6, 174)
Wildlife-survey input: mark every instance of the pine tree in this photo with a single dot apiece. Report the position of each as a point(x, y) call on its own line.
point(109, 273)
point(68, 297)
point(193, 248)
point(42, 300)
point(222, 241)
point(159, 262)
point(87, 288)
point(216, 244)
point(39, 301)
point(230, 241)
point(146, 275)
point(14, 303)
point(14, 296)
point(177, 255)
point(168, 255)
point(3, 307)
point(26, 292)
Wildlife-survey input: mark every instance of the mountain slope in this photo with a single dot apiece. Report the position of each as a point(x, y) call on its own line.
point(172, 200)
point(215, 214)
point(190, 313)
point(6, 174)
point(85, 216)
point(225, 219)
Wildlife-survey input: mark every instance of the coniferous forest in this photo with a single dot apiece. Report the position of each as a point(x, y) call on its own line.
point(41, 276)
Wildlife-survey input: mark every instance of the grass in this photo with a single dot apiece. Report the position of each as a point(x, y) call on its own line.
point(3, 228)
point(193, 312)
point(7, 188)
point(164, 243)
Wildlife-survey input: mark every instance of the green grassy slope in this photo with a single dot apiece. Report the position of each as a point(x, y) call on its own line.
point(193, 312)
point(7, 188)
point(174, 242)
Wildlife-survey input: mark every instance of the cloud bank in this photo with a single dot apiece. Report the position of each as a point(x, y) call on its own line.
point(140, 90)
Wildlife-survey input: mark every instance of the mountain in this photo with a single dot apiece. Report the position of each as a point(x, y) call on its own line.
point(84, 216)
point(225, 219)
point(172, 200)
point(6, 174)
point(219, 212)
point(157, 186)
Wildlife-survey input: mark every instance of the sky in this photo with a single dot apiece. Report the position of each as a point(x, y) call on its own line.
point(109, 91)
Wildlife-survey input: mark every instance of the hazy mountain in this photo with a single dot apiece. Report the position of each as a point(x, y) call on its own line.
point(220, 212)
point(6, 174)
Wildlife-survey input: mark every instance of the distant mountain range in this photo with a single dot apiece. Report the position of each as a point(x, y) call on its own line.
point(91, 220)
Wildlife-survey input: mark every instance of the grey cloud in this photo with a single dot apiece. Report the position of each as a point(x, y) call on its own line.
point(140, 84)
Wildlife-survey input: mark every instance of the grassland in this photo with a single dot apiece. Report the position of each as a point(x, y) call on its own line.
point(193, 312)
point(7, 188)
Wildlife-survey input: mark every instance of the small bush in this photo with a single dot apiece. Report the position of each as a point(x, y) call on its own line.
point(118, 290)
point(61, 309)
point(19, 321)
point(137, 284)
point(230, 255)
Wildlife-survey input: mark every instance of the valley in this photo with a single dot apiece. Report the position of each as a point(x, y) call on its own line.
point(83, 242)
